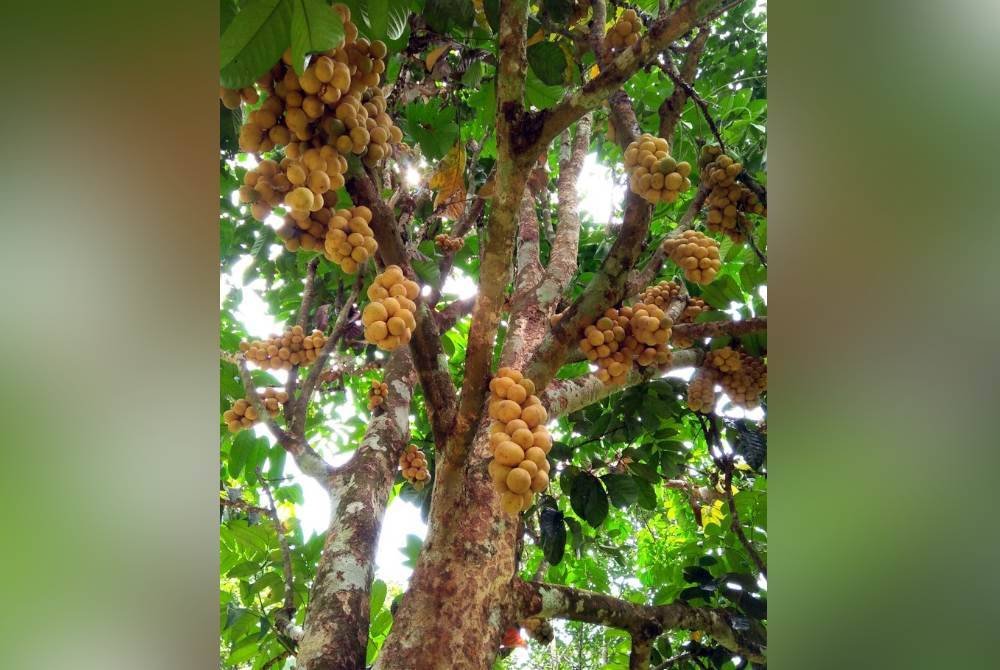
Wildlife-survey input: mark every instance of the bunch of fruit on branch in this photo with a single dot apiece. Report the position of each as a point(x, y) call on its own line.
point(413, 464)
point(654, 174)
point(695, 253)
point(624, 33)
point(243, 415)
point(519, 440)
point(638, 334)
point(663, 295)
point(389, 319)
point(282, 352)
point(334, 109)
point(728, 200)
point(742, 377)
point(447, 243)
point(377, 394)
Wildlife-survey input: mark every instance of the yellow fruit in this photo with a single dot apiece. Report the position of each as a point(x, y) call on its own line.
point(498, 473)
point(533, 415)
point(518, 480)
point(539, 481)
point(508, 453)
point(528, 466)
point(535, 455)
point(511, 502)
point(508, 410)
point(523, 437)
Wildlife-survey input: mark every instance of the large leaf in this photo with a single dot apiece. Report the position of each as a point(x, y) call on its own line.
point(386, 18)
point(548, 62)
point(588, 499)
point(622, 489)
point(254, 41)
point(315, 27)
point(553, 530)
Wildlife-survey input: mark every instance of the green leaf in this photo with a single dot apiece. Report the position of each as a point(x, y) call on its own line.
point(588, 499)
point(622, 489)
point(377, 15)
point(541, 95)
point(254, 41)
point(243, 654)
point(646, 494)
point(548, 62)
point(378, 595)
point(315, 28)
point(553, 531)
point(577, 532)
point(242, 446)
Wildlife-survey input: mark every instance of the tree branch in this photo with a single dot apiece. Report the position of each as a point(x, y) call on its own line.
point(697, 331)
point(661, 34)
point(494, 269)
point(735, 632)
point(670, 110)
point(308, 460)
point(428, 355)
point(736, 525)
point(565, 248)
point(642, 649)
point(565, 396)
point(301, 403)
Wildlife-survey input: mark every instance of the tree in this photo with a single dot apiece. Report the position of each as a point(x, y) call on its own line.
point(447, 139)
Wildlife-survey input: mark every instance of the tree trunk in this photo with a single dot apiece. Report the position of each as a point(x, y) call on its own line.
point(336, 625)
point(452, 615)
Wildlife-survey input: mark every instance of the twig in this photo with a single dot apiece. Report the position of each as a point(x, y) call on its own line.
point(736, 525)
point(673, 660)
point(309, 385)
point(286, 616)
point(308, 293)
point(667, 65)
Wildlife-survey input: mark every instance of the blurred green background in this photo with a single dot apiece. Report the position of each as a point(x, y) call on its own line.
point(882, 352)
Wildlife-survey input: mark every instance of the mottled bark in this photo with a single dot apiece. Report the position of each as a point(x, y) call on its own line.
point(564, 396)
point(642, 648)
point(694, 331)
point(512, 168)
point(735, 632)
point(336, 624)
point(452, 618)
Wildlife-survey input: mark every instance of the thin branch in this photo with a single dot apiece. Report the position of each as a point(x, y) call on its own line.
point(736, 525)
point(667, 65)
point(308, 460)
point(672, 107)
point(448, 316)
point(673, 660)
point(591, 95)
point(753, 245)
point(301, 403)
point(285, 617)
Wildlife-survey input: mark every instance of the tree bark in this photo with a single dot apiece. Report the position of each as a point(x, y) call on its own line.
point(336, 624)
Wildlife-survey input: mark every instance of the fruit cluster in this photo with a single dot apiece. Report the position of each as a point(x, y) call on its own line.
point(728, 201)
point(413, 463)
point(519, 440)
point(447, 243)
point(337, 96)
point(694, 307)
point(724, 360)
point(745, 385)
point(350, 241)
point(654, 175)
point(695, 253)
point(637, 334)
point(232, 98)
point(701, 390)
point(389, 319)
point(377, 394)
point(602, 343)
point(242, 414)
point(624, 33)
point(281, 352)
point(649, 335)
